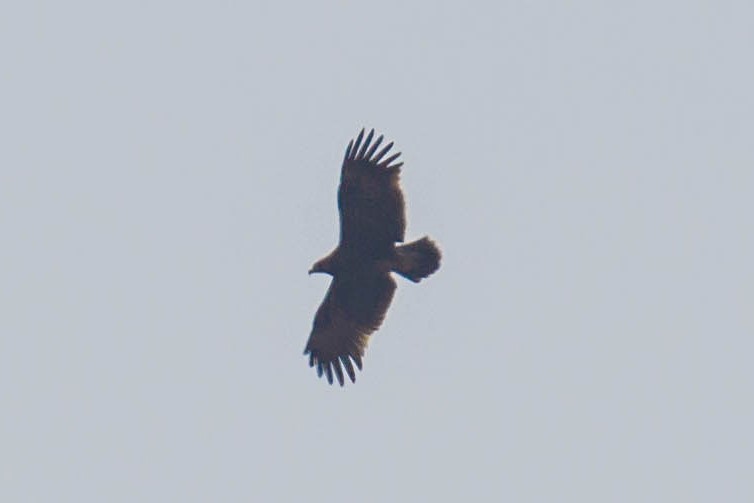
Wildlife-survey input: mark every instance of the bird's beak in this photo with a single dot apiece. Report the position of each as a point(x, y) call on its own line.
point(311, 271)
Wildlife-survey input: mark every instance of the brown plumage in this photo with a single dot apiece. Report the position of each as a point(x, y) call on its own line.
point(372, 220)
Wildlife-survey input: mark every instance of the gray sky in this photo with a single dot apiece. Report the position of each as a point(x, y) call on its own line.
point(168, 175)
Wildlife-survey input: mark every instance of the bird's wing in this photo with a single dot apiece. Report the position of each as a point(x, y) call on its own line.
point(372, 211)
point(353, 308)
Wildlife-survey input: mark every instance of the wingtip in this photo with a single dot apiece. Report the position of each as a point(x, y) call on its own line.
point(386, 162)
point(356, 144)
point(364, 147)
point(328, 371)
point(338, 371)
point(382, 152)
point(349, 367)
point(371, 151)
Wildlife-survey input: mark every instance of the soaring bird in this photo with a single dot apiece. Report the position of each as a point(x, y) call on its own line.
point(372, 221)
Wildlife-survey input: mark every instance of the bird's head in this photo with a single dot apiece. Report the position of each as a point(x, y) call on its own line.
point(324, 265)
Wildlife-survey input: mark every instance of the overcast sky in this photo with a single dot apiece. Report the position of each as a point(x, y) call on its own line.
point(168, 174)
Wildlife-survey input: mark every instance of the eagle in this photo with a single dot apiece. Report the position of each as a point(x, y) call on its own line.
point(372, 221)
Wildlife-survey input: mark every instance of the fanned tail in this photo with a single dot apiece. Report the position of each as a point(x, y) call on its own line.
point(418, 259)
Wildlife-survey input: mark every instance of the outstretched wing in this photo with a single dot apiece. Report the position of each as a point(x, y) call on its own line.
point(353, 308)
point(372, 211)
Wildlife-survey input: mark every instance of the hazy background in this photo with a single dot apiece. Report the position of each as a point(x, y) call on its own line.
point(168, 174)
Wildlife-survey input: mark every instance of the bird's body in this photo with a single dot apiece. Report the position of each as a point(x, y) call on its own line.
point(372, 221)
